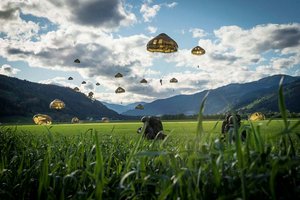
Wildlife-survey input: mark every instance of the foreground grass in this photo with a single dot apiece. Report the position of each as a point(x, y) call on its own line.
point(111, 161)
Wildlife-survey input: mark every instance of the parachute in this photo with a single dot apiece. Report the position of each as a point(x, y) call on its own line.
point(75, 120)
point(83, 82)
point(76, 89)
point(105, 119)
point(160, 81)
point(90, 95)
point(57, 104)
point(41, 119)
point(198, 51)
point(120, 90)
point(162, 43)
point(70, 78)
point(77, 61)
point(143, 81)
point(97, 84)
point(173, 80)
point(257, 116)
point(139, 107)
point(118, 75)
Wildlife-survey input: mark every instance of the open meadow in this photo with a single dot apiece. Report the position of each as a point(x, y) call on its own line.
point(112, 161)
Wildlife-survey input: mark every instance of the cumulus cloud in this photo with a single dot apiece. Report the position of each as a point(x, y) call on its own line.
point(105, 14)
point(171, 5)
point(197, 32)
point(152, 29)
point(149, 12)
point(8, 70)
point(233, 54)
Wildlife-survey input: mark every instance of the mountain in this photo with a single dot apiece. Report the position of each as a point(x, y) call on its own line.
point(246, 96)
point(121, 108)
point(23, 99)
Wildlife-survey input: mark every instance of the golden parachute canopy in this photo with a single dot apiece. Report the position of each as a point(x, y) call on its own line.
point(162, 43)
point(139, 107)
point(91, 94)
point(120, 90)
point(97, 84)
point(143, 81)
point(105, 119)
point(173, 80)
point(76, 89)
point(118, 75)
point(198, 51)
point(70, 78)
point(77, 61)
point(257, 116)
point(83, 82)
point(57, 104)
point(75, 120)
point(41, 119)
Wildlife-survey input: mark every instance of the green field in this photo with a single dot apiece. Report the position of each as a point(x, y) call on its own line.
point(112, 161)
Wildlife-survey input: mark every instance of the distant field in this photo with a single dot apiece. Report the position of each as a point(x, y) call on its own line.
point(174, 128)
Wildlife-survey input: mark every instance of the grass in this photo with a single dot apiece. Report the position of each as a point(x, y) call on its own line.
point(111, 161)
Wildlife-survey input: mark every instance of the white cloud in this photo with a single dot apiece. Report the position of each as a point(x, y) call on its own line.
point(8, 70)
point(233, 54)
point(197, 33)
point(171, 5)
point(149, 12)
point(152, 29)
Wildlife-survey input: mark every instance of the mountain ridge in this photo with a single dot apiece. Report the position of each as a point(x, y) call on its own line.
point(219, 100)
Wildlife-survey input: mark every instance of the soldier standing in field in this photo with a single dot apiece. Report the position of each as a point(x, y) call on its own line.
point(153, 128)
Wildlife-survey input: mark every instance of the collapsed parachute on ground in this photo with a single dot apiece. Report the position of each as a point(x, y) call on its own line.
point(75, 120)
point(57, 104)
point(173, 80)
point(139, 107)
point(76, 61)
point(105, 119)
point(162, 43)
point(143, 81)
point(76, 89)
point(118, 75)
point(257, 116)
point(91, 94)
point(198, 51)
point(41, 119)
point(70, 78)
point(120, 90)
point(83, 82)
point(97, 84)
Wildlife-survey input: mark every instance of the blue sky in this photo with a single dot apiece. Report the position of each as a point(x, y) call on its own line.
point(244, 41)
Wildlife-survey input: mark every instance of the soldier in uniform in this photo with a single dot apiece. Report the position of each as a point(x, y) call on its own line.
point(153, 128)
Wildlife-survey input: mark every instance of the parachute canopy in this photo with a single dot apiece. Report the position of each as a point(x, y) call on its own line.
point(105, 119)
point(70, 78)
point(83, 82)
point(97, 84)
point(77, 61)
point(198, 51)
point(139, 107)
point(257, 116)
point(76, 89)
point(173, 80)
point(57, 104)
point(91, 94)
point(143, 81)
point(75, 120)
point(162, 43)
point(120, 90)
point(41, 119)
point(118, 75)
